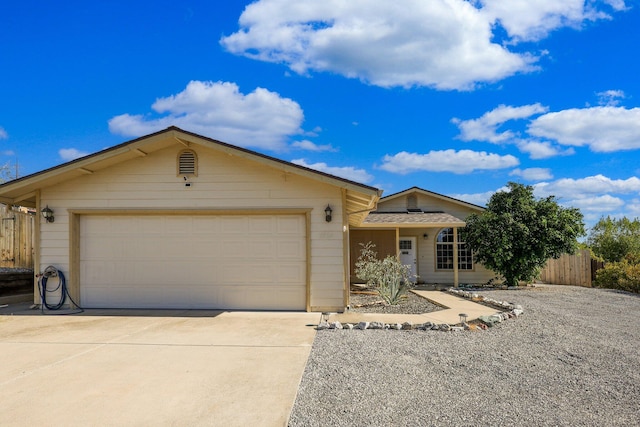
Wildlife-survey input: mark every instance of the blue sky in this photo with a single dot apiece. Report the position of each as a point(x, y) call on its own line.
point(457, 97)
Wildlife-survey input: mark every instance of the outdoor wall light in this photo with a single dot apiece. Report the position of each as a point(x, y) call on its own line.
point(47, 214)
point(425, 236)
point(327, 213)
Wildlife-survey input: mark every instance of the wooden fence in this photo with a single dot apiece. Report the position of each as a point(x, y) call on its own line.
point(16, 238)
point(577, 270)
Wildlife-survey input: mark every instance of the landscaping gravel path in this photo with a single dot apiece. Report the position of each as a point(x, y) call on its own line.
point(572, 359)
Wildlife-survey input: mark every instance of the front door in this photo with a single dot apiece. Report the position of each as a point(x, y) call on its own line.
point(407, 246)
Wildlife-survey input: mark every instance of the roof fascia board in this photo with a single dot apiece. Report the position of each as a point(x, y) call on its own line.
point(412, 225)
point(186, 138)
point(283, 165)
point(432, 194)
point(82, 164)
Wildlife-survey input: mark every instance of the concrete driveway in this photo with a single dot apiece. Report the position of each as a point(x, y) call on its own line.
point(117, 367)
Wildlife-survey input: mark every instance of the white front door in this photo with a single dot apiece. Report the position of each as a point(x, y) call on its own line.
point(407, 246)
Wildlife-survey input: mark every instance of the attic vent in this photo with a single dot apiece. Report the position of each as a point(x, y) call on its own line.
point(412, 202)
point(187, 163)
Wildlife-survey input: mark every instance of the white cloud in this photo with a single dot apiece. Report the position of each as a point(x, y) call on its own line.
point(542, 149)
point(310, 146)
point(594, 195)
point(534, 20)
point(8, 153)
point(603, 129)
point(532, 174)
point(260, 119)
point(459, 162)
point(445, 44)
point(633, 207)
point(596, 204)
point(347, 172)
point(610, 97)
point(3, 133)
point(480, 199)
point(68, 154)
point(485, 127)
point(598, 184)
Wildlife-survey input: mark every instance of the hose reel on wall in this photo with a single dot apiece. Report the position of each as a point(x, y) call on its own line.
point(43, 281)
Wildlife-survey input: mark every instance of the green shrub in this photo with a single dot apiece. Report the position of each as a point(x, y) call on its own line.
point(389, 277)
point(623, 275)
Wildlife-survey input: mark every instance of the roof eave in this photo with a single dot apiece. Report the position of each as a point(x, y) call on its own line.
point(411, 225)
point(15, 190)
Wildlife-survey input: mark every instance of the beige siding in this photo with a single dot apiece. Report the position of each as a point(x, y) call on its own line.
point(427, 203)
point(427, 261)
point(427, 247)
point(223, 182)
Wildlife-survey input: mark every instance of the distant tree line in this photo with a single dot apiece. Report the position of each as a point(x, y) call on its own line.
point(617, 242)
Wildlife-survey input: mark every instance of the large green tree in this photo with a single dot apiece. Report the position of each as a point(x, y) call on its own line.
point(614, 239)
point(517, 233)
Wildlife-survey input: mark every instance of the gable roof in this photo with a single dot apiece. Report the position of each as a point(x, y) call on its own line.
point(360, 198)
point(431, 194)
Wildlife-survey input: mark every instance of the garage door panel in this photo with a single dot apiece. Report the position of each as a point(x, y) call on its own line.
point(262, 225)
point(233, 225)
point(290, 225)
point(290, 274)
point(291, 249)
point(261, 249)
point(240, 262)
point(206, 225)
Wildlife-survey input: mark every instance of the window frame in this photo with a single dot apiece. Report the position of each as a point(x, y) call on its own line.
point(444, 250)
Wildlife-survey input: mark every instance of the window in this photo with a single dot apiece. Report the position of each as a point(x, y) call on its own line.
point(404, 244)
point(187, 163)
point(444, 252)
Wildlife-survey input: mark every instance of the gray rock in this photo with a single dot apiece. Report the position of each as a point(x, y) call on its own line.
point(407, 326)
point(427, 326)
point(335, 325)
point(376, 325)
point(445, 327)
point(395, 326)
point(322, 325)
point(363, 325)
point(348, 326)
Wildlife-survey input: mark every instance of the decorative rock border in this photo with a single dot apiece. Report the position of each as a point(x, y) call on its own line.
point(509, 311)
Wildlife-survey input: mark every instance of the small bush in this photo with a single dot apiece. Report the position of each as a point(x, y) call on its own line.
point(389, 277)
point(623, 275)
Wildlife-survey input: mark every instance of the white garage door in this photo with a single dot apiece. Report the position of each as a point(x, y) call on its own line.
point(179, 261)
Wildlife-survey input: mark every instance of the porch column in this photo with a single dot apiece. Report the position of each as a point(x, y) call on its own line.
point(398, 242)
point(455, 257)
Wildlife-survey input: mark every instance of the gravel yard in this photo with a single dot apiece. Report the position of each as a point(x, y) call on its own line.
point(571, 360)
